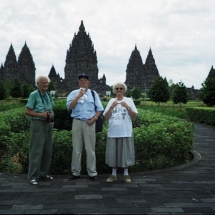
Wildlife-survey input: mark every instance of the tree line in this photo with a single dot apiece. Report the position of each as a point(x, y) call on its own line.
point(17, 89)
point(162, 91)
point(159, 92)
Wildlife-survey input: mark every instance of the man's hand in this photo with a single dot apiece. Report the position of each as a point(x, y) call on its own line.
point(91, 121)
point(82, 92)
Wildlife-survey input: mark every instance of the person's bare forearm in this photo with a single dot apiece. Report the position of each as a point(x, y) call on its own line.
point(108, 113)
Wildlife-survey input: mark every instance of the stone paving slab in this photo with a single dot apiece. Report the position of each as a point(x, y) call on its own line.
point(186, 189)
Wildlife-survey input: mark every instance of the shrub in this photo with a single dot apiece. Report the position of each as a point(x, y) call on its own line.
point(161, 141)
point(62, 152)
point(137, 102)
point(201, 114)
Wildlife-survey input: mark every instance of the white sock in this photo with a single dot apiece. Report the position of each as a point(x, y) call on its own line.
point(125, 171)
point(114, 170)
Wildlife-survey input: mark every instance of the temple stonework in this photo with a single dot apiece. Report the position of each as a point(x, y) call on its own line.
point(139, 74)
point(23, 69)
point(26, 66)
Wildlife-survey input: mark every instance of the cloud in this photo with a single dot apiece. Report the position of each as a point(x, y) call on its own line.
point(180, 33)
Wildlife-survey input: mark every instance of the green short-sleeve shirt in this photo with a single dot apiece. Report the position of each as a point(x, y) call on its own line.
point(40, 102)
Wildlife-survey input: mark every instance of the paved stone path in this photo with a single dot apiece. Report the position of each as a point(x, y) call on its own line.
point(187, 189)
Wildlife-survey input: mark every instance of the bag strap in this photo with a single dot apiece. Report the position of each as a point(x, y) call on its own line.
point(93, 94)
point(47, 92)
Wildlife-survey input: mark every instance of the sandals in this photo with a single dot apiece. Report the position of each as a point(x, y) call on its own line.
point(46, 178)
point(33, 182)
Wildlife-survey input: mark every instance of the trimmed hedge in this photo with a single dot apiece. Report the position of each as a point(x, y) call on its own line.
point(160, 142)
point(201, 114)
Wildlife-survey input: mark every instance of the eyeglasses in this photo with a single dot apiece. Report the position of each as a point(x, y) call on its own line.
point(44, 83)
point(119, 88)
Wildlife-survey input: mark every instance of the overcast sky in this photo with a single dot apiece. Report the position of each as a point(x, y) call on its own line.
point(181, 34)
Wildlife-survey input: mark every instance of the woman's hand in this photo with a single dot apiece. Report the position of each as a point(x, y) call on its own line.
point(114, 104)
point(124, 104)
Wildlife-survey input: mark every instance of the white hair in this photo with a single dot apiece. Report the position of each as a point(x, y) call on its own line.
point(39, 78)
point(119, 83)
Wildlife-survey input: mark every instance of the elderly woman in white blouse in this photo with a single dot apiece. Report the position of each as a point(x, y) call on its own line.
point(120, 143)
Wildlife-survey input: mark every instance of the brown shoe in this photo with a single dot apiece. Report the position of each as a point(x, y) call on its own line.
point(127, 178)
point(111, 178)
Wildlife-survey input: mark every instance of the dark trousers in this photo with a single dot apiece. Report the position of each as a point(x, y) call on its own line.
point(40, 152)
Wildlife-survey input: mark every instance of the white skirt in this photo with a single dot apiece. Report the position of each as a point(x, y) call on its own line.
point(120, 152)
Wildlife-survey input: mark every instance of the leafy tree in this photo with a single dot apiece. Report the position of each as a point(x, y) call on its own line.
point(136, 93)
point(171, 83)
point(180, 94)
point(159, 90)
point(8, 86)
point(128, 93)
point(144, 95)
point(16, 90)
point(172, 86)
point(2, 91)
point(207, 92)
point(31, 88)
point(25, 90)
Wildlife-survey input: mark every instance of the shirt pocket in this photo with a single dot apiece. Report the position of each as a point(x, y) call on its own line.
point(90, 107)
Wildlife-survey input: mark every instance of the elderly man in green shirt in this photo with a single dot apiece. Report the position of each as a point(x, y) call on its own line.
point(40, 109)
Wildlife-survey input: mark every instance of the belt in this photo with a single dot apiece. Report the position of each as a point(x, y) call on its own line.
point(81, 119)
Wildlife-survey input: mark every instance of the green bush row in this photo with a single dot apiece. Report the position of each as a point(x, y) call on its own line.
point(201, 114)
point(161, 141)
point(166, 109)
point(9, 105)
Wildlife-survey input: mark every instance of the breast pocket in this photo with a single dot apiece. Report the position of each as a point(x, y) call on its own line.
point(90, 107)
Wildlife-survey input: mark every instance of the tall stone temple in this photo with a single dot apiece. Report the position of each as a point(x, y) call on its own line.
point(80, 58)
point(23, 69)
point(138, 74)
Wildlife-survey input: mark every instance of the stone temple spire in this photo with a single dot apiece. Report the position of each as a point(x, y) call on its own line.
point(150, 58)
point(82, 28)
point(26, 65)
point(55, 78)
point(151, 71)
point(10, 65)
point(134, 71)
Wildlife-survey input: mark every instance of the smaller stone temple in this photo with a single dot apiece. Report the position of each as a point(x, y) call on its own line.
point(55, 78)
point(138, 74)
point(23, 69)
